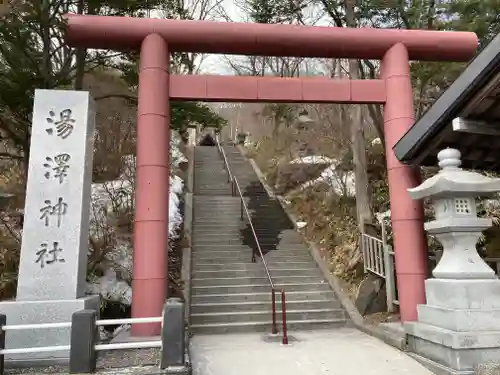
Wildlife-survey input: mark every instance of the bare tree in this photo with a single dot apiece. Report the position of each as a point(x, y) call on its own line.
point(191, 10)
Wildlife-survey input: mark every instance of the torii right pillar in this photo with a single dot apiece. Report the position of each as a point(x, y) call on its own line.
point(407, 215)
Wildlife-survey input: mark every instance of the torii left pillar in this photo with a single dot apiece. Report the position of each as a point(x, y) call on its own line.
point(150, 272)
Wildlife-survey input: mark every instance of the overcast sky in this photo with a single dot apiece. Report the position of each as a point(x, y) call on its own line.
point(217, 64)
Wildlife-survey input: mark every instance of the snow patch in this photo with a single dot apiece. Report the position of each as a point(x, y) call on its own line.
point(301, 224)
point(109, 201)
point(313, 160)
point(341, 182)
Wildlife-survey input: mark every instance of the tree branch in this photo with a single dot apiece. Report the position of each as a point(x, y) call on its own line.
point(130, 98)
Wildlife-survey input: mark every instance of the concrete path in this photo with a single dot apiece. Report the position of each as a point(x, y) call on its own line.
point(345, 351)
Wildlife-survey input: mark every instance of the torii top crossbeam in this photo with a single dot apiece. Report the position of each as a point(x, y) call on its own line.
point(127, 33)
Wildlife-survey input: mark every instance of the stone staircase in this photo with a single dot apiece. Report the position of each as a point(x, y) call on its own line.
point(229, 293)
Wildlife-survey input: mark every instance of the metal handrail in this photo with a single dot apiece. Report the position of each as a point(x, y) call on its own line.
point(235, 189)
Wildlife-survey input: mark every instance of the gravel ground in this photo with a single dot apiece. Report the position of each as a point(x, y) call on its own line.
point(112, 359)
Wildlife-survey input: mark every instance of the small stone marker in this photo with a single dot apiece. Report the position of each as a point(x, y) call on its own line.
point(53, 265)
point(56, 224)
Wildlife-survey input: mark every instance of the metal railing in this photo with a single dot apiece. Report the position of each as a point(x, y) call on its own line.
point(378, 259)
point(85, 324)
point(236, 191)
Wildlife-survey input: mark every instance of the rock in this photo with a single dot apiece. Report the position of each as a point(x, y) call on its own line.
point(371, 296)
point(488, 369)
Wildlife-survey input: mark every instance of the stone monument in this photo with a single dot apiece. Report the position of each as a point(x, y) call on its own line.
point(459, 326)
point(53, 265)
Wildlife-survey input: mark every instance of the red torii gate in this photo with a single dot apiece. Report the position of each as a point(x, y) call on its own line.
point(156, 39)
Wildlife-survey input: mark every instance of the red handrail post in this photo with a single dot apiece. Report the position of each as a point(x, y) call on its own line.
point(241, 208)
point(283, 311)
point(274, 328)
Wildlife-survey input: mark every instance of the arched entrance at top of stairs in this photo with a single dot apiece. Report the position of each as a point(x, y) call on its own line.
point(207, 140)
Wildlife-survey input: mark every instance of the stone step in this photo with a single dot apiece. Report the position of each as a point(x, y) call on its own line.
point(234, 205)
point(265, 326)
point(213, 225)
point(207, 229)
point(226, 190)
point(284, 234)
point(205, 170)
point(259, 288)
point(257, 272)
point(213, 192)
point(259, 316)
point(264, 231)
point(248, 266)
point(226, 281)
point(229, 307)
point(206, 184)
point(242, 249)
point(247, 251)
point(315, 295)
point(235, 208)
point(244, 231)
point(234, 219)
point(202, 216)
point(208, 258)
point(202, 241)
point(259, 198)
point(267, 215)
point(242, 236)
point(210, 172)
point(211, 178)
point(212, 184)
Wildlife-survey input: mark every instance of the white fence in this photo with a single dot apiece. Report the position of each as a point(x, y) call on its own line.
point(378, 258)
point(98, 347)
point(84, 343)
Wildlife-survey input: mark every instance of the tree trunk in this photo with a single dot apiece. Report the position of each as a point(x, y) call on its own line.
point(80, 56)
point(358, 144)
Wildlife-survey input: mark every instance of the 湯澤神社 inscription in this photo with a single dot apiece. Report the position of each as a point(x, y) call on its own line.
point(48, 255)
point(57, 210)
point(55, 235)
point(57, 167)
point(63, 126)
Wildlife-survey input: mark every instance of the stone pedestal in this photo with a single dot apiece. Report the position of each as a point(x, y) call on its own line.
point(459, 326)
point(53, 265)
point(36, 312)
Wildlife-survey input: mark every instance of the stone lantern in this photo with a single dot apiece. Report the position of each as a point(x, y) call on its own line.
point(462, 313)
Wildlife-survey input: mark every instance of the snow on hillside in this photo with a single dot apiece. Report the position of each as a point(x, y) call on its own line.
point(108, 201)
point(341, 182)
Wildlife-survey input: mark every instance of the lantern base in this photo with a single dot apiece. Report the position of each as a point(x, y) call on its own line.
point(458, 327)
point(458, 351)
